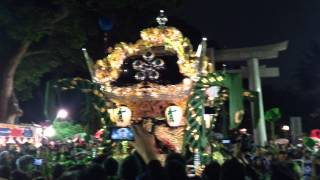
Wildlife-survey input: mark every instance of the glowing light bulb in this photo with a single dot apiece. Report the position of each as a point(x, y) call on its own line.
point(49, 132)
point(62, 114)
point(285, 128)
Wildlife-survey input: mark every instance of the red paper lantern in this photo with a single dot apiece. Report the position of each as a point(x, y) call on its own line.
point(315, 133)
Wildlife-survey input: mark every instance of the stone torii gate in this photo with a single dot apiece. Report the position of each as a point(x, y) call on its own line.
point(252, 55)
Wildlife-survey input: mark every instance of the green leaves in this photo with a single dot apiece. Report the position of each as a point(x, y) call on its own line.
point(29, 73)
point(66, 129)
point(309, 143)
point(62, 28)
point(273, 115)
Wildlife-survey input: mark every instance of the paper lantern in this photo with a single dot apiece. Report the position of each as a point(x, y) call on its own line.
point(213, 92)
point(121, 116)
point(174, 115)
point(208, 120)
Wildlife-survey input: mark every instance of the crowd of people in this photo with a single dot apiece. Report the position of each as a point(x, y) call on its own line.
point(241, 160)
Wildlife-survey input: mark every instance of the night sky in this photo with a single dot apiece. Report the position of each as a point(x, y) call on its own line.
point(235, 24)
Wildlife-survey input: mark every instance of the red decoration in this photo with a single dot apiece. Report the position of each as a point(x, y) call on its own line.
point(315, 133)
point(99, 133)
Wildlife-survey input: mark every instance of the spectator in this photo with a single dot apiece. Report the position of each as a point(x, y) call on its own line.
point(4, 172)
point(24, 163)
point(5, 158)
point(57, 171)
point(129, 169)
point(110, 167)
point(19, 175)
point(234, 166)
point(95, 172)
point(211, 171)
point(176, 170)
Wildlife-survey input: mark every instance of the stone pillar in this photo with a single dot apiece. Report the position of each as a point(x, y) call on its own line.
point(296, 129)
point(259, 130)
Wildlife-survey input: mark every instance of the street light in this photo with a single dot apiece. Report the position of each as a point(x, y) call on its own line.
point(285, 128)
point(62, 114)
point(243, 131)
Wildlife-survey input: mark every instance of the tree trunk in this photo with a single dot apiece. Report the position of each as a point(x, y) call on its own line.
point(273, 131)
point(8, 104)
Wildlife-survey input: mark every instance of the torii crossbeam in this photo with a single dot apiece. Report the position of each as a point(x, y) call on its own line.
point(252, 55)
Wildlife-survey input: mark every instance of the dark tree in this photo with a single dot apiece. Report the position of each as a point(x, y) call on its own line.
point(24, 24)
point(39, 35)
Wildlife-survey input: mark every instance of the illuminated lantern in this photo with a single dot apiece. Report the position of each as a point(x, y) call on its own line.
point(121, 116)
point(174, 115)
point(208, 120)
point(208, 116)
point(213, 92)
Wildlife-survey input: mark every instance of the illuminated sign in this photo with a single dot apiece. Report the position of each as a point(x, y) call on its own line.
point(16, 132)
point(4, 131)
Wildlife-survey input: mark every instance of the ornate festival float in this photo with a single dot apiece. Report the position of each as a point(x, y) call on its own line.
point(162, 83)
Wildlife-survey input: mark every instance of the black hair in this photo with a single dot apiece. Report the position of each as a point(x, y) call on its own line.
point(211, 171)
point(5, 172)
point(111, 166)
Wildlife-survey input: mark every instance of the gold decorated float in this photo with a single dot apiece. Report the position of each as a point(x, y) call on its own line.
point(148, 99)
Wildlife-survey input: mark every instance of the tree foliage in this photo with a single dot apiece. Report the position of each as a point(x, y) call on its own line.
point(273, 115)
point(66, 129)
point(59, 29)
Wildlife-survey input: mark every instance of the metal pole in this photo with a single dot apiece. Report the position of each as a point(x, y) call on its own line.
point(89, 62)
point(259, 129)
